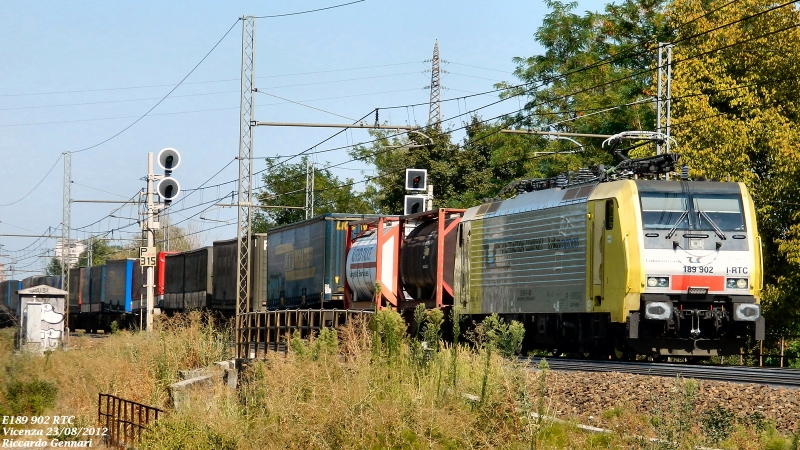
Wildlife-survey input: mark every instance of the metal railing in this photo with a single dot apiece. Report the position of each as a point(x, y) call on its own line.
point(265, 331)
point(124, 420)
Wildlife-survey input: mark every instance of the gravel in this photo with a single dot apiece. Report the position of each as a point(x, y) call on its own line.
point(586, 395)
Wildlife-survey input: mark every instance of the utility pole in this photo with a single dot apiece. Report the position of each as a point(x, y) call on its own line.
point(435, 112)
point(149, 226)
point(66, 218)
point(245, 199)
point(664, 95)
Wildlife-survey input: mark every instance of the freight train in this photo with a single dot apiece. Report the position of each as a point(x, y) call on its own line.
point(601, 262)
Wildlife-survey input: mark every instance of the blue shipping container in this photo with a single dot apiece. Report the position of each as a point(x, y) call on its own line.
point(118, 285)
point(306, 261)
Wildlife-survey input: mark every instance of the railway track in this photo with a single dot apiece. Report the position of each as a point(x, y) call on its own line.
point(775, 377)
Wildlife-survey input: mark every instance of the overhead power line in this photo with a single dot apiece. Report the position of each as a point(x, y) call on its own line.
point(207, 81)
point(308, 11)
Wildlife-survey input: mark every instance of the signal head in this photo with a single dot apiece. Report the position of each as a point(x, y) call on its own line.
point(416, 179)
point(168, 189)
point(169, 159)
point(414, 204)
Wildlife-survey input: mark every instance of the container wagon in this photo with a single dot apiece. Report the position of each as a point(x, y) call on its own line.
point(306, 262)
point(9, 300)
point(188, 280)
point(223, 297)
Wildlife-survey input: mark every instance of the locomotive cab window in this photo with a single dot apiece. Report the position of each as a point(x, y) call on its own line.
point(665, 210)
point(668, 210)
point(724, 211)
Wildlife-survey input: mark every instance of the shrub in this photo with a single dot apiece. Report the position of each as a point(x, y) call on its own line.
point(31, 398)
point(717, 423)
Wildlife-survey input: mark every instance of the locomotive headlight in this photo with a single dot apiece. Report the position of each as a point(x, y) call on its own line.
point(657, 310)
point(658, 282)
point(747, 312)
point(736, 283)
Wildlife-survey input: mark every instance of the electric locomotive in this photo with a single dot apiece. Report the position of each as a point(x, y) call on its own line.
point(628, 266)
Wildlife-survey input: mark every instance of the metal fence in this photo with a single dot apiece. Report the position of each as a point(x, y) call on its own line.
point(260, 332)
point(124, 419)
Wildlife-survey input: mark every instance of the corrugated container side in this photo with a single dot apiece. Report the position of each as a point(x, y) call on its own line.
point(174, 281)
point(160, 270)
point(7, 289)
point(86, 289)
point(306, 261)
point(98, 288)
point(15, 297)
point(335, 260)
point(296, 264)
point(223, 296)
point(258, 276)
point(137, 289)
point(119, 280)
point(198, 265)
point(74, 290)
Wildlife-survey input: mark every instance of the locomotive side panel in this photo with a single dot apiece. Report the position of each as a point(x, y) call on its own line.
point(614, 275)
point(528, 254)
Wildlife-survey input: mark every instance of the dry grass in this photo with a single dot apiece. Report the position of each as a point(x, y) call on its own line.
point(358, 388)
point(135, 366)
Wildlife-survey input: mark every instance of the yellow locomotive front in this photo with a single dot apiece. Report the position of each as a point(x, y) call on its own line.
point(678, 263)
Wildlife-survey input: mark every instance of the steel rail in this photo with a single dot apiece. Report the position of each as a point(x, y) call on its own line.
point(775, 377)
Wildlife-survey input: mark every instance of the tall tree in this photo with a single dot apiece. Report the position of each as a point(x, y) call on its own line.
point(593, 64)
point(53, 267)
point(101, 251)
point(285, 185)
point(736, 114)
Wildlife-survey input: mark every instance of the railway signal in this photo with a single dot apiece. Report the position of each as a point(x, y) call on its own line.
point(168, 188)
point(416, 179)
point(417, 182)
point(414, 204)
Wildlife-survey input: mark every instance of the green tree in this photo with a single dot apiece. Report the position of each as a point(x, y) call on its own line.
point(101, 251)
point(54, 267)
point(285, 185)
point(736, 114)
point(592, 63)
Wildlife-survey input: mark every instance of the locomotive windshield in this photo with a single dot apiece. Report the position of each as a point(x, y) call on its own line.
point(682, 211)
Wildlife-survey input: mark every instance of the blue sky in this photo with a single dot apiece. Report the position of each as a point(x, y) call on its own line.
point(76, 73)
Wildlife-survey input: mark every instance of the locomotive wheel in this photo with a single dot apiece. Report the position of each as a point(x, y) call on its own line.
point(621, 351)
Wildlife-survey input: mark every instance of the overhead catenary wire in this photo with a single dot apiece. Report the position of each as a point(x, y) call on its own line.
point(207, 81)
point(308, 11)
point(761, 36)
point(605, 61)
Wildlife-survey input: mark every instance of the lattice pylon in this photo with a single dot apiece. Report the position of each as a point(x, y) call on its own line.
point(66, 247)
point(664, 94)
point(247, 109)
point(435, 112)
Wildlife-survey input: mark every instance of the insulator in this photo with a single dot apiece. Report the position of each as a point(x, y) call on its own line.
point(685, 173)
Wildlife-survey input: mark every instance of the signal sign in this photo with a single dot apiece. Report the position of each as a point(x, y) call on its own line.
point(147, 256)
